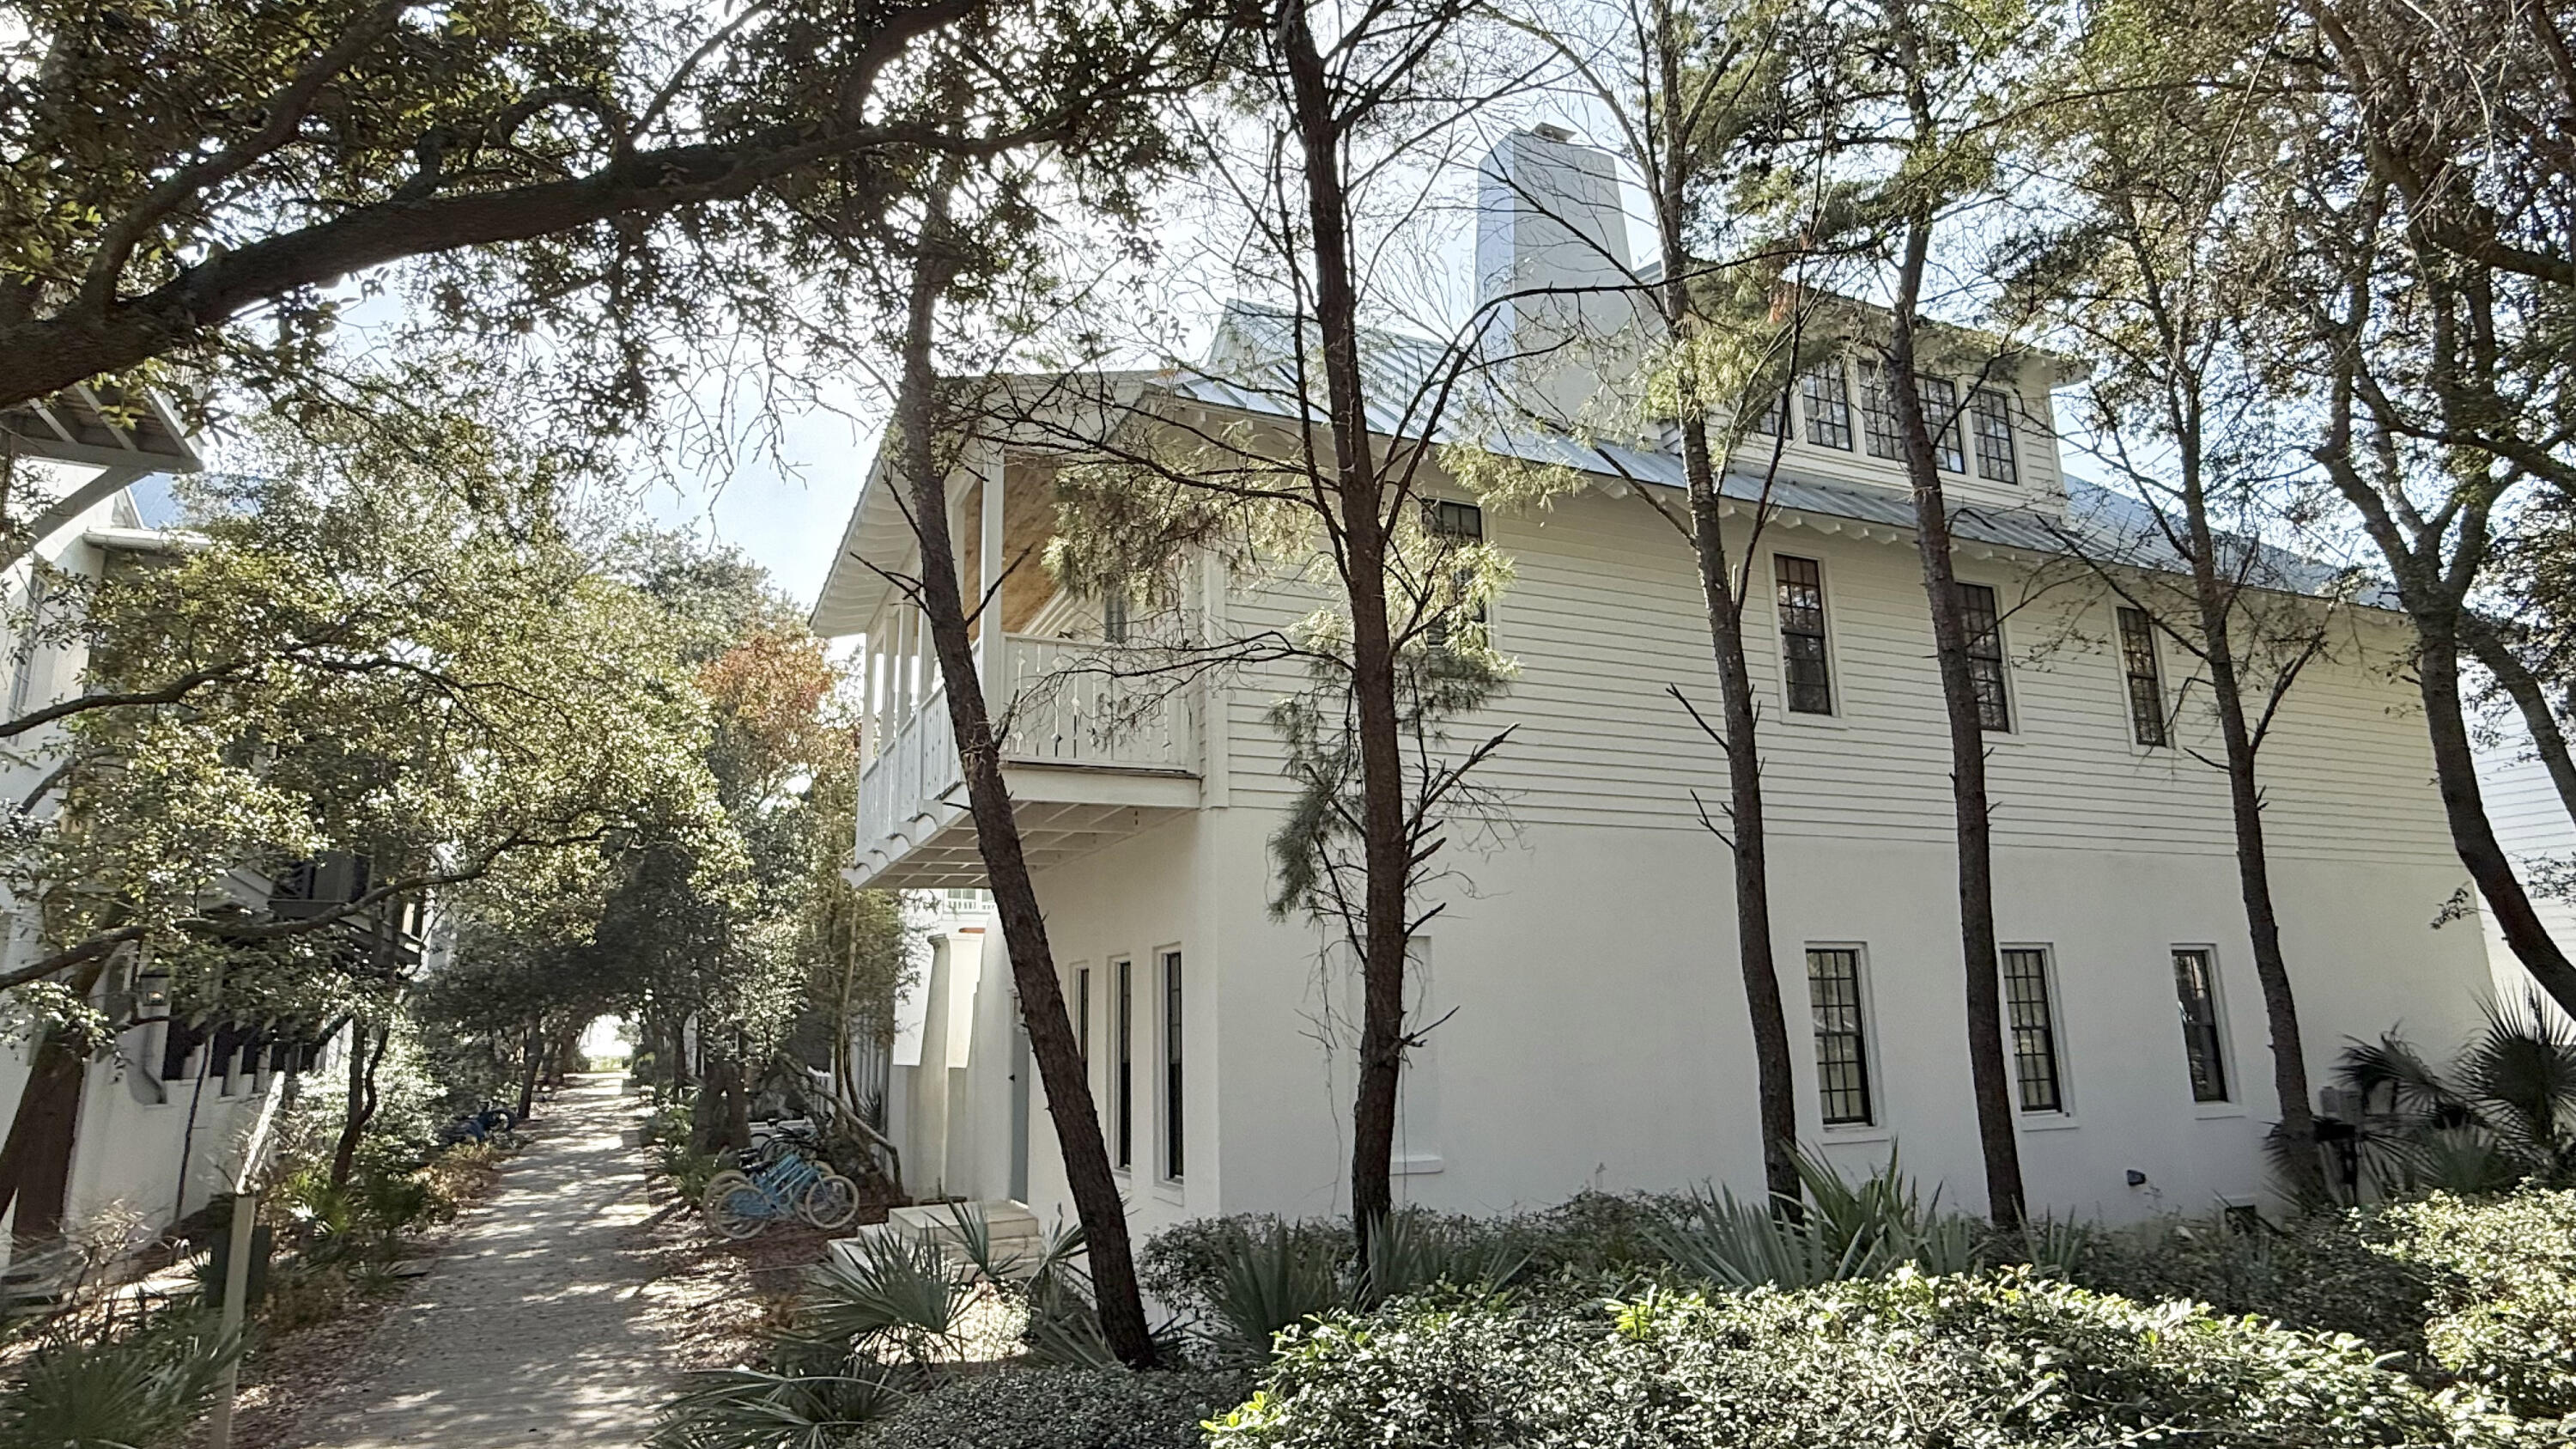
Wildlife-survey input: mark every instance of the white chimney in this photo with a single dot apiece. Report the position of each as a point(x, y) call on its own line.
point(1553, 271)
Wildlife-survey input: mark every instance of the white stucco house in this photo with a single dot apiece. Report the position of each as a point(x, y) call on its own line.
point(1592, 1027)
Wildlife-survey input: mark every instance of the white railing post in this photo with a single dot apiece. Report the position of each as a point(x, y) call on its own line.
point(984, 459)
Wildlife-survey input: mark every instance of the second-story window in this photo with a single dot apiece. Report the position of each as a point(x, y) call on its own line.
point(1806, 678)
point(1113, 617)
point(1990, 413)
point(2146, 686)
point(1828, 407)
point(2204, 1044)
point(1454, 526)
point(1986, 656)
point(1878, 413)
point(1941, 418)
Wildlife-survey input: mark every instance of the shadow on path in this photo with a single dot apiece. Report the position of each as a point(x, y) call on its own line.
point(530, 1329)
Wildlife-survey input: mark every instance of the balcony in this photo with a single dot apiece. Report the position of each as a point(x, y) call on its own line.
point(1089, 757)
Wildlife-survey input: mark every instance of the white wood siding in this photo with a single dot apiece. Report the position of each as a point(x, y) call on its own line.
point(1604, 614)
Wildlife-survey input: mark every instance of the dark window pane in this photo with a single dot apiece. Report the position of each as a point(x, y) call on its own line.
point(1803, 667)
point(1842, 1049)
point(1991, 413)
point(1878, 413)
point(2196, 988)
point(1828, 407)
point(1986, 656)
point(2146, 686)
point(1082, 1017)
point(2028, 1012)
point(1941, 418)
point(1454, 525)
point(1113, 617)
point(1171, 1064)
point(1126, 1034)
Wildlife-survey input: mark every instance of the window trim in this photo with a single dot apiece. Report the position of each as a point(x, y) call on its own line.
point(1122, 1045)
point(1823, 633)
point(1866, 1060)
point(1171, 1117)
point(2053, 1001)
point(2011, 727)
point(2130, 680)
point(1834, 372)
point(2220, 1040)
point(1978, 436)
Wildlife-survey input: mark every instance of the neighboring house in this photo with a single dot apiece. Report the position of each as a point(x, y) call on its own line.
point(1590, 1021)
point(2533, 825)
point(162, 1125)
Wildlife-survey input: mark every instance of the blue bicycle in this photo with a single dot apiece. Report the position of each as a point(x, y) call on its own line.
point(743, 1204)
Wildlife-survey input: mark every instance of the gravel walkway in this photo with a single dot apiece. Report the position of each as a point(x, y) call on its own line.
point(533, 1328)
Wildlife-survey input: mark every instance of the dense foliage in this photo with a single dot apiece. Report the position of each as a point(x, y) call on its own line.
point(2011, 1360)
point(1103, 1408)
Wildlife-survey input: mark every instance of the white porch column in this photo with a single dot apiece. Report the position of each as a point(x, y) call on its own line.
point(985, 458)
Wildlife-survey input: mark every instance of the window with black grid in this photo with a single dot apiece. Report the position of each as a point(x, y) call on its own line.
point(1124, 1031)
point(1940, 398)
point(1827, 404)
point(1769, 420)
point(1842, 1045)
point(2204, 1046)
point(1878, 413)
point(1986, 656)
point(2033, 1019)
point(2146, 685)
point(1172, 1064)
point(1803, 667)
point(1990, 418)
point(1454, 525)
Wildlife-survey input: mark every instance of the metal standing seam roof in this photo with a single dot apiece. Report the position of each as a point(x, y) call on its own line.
point(2097, 523)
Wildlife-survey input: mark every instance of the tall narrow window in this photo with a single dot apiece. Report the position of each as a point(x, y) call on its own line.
point(1807, 676)
point(1842, 1047)
point(2204, 1046)
point(1113, 616)
point(1172, 1064)
point(2146, 687)
point(1940, 398)
point(1082, 1016)
point(1878, 413)
point(1125, 1031)
point(1990, 414)
point(1828, 407)
point(1986, 656)
point(2034, 1028)
point(1455, 525)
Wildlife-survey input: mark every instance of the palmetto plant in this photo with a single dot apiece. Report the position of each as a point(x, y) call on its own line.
point(139, 1390)
point(2503, 1112)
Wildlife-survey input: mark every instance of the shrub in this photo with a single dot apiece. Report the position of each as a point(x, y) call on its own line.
point(2324, 1273)
point(1053, 1408)
point(140, 1390)
point(2503, 1308)
point(2010, 1361)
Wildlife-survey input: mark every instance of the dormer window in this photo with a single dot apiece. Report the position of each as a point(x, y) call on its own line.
point(1828, 407)
point(1990, 413)
point(1941, 418)
point(1878, 413)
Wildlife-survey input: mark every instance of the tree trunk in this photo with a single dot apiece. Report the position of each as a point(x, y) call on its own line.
point(2530, 700)
point(1385, 849)
point(361, 1110)
point(2216, 599)
point(1996, 1128)
point(2455, 773)
point(1052, 1042)
point(1748, 841)
point(530, 1055)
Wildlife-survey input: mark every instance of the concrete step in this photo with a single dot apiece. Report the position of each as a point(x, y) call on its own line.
point(1012, 1230)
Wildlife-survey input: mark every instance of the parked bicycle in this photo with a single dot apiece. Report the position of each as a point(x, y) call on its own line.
point(743, 1204)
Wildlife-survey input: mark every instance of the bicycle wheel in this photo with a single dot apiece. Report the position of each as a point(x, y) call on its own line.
point(829, 1202)
point(736, 1207)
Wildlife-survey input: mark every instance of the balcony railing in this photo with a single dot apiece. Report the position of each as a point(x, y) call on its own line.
point(1067, 706)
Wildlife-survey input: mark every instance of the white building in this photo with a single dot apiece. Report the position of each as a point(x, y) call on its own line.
point(162, 1124)
point(1592, 1027)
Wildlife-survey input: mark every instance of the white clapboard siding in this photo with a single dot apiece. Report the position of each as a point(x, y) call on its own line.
point(1604, 614)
